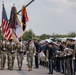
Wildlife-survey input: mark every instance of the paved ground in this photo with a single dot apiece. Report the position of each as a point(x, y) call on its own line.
point(40, 71)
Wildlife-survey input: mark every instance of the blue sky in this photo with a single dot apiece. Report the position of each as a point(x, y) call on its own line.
point(47, 16)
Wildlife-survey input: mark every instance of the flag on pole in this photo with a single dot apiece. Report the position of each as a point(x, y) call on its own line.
point(15, 24)
point(6, 31)
point(24, 17)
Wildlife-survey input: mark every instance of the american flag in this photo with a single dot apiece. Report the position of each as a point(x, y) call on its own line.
point(6, 31)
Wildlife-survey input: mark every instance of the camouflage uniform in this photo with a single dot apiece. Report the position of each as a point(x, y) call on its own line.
point(3, 55)
point(11, 55)
point(30, 52)
point(20, 56)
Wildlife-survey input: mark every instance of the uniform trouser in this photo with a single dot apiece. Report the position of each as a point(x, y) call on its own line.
point(61, 66)
point(55, 63)
point(71, 67)
point(36, 61)
point(64, 67)
point(20, 59)
point(3, 59)
point(67, 62)
point(11, 60)
point(58, 64)
point(8, 60)
point(30, 61)
point(74, 66)
point(50, 65)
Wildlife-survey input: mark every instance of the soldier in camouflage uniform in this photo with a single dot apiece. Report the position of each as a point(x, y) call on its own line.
point(30, 53)
point(20, 55)
point(8, 43)
point(3, 54)
point(11, 55)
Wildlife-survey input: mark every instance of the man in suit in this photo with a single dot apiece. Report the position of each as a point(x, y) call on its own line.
point(50, 58)
point(37, 51)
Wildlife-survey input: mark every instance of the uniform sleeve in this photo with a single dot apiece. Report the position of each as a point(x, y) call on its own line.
point(34, 49)
point(75, 48)
point(26, 48)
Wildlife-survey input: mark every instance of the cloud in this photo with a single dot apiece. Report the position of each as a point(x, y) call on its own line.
point(47, 16)
point(72, 0)
point(68, 3)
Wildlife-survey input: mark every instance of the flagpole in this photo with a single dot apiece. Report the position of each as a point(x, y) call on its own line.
point(21, 43)
point(2, 13)
point(25, 6)
point(2, 2)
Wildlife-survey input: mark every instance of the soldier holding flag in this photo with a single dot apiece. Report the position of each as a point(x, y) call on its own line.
point(6, 31)
point(20, 55)
point(11, 54)
point(3, 54)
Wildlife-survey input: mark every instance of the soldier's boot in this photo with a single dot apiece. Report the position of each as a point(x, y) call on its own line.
point(12, 65)
point(2, 68)
point(11, 68)
point(29, 69)
point(20, 68)
point(8, 68)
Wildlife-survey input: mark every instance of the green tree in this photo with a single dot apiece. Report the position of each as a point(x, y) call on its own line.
point(72, 34)
point(28, 35)
point(44, 36)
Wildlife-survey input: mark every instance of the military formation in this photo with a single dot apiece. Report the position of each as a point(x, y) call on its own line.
point(59, 56)
point(9, 50)
point(12, 50)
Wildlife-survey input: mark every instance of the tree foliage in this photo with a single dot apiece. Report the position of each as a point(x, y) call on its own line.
point(28, 35)
point(44, 36)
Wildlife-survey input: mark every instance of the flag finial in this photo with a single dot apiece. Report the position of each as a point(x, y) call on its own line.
point(13, 4)
point(3, 3)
